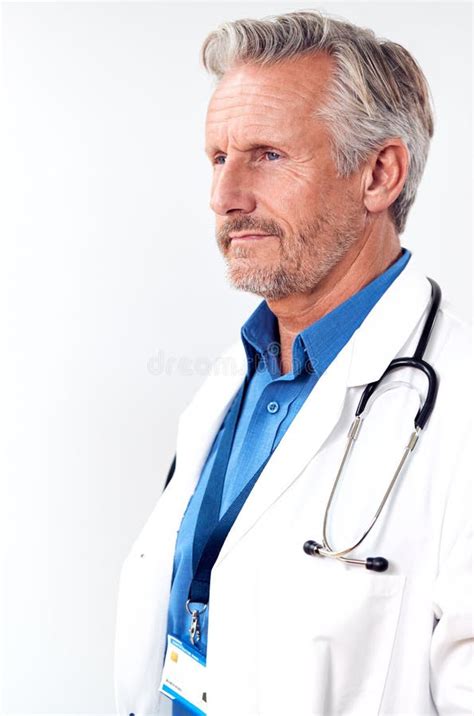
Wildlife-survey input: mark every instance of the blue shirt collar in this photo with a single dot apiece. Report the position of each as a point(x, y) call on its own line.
point(318, 344)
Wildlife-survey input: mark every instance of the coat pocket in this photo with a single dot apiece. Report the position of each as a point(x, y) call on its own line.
point(331, 652)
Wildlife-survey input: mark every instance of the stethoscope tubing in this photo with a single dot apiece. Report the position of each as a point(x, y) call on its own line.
point(415, 362)
point(427, 408)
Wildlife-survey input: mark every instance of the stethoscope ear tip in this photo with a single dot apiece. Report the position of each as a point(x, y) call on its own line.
point(377, 564)
point(312, 548)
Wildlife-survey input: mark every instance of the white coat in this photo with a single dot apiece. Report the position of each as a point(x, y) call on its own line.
point(295, 635)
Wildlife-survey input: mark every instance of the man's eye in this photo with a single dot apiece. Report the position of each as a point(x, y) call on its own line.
point(271, 156)
point(217, 160)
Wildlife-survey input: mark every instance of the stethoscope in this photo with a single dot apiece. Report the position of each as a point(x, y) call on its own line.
point(380, 564)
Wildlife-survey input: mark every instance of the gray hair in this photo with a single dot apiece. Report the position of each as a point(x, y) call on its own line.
point(378, 90)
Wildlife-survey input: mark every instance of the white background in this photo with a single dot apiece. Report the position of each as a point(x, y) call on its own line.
point(109, 269)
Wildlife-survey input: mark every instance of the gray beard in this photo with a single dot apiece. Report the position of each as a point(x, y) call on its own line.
point(297, 272)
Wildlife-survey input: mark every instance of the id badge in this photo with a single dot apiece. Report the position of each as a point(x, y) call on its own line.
point(184, 675)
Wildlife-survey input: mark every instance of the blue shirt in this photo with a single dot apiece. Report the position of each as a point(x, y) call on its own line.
point(270, 405)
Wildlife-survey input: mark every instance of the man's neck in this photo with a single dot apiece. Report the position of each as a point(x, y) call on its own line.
point(359, 267)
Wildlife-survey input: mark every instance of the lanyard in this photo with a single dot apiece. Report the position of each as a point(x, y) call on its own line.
point(211, 531)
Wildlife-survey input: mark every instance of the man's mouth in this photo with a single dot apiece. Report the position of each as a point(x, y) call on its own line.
point(249, 237)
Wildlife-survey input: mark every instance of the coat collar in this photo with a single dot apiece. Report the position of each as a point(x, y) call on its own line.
point(389, 325)
point(382, 336)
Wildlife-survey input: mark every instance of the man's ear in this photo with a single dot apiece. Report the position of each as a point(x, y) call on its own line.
point(385, 175)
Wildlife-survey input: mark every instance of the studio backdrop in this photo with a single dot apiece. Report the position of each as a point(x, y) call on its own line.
point(114, 300)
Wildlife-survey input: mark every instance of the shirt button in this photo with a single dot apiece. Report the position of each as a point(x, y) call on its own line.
point(273, 406)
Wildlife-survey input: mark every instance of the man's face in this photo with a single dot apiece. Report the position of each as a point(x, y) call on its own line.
point(283, 217)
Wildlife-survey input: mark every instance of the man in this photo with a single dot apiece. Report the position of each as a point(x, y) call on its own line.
point(231, 600)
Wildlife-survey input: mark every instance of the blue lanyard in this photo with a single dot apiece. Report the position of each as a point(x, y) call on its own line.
point(211, 532)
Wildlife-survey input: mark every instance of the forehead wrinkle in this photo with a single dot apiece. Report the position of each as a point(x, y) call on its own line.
point(262, 126)
point(244, 109)
point(244, 105)
point(270, 91)
point(241, 116)
point(258, 100)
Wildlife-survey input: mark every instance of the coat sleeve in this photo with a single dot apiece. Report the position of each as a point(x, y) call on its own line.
point(451, 659)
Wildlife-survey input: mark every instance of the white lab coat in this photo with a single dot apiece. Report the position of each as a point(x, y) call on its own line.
point(295, 635)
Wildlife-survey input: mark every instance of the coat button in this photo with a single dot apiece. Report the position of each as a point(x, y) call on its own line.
point(273, 406)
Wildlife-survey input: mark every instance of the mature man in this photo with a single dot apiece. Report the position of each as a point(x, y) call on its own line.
point(246, 592)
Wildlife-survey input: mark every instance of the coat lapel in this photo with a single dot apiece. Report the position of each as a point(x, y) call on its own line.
point(303, 439)
point(200, 422)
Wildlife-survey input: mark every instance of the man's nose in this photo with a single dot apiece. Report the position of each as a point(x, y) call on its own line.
point(232, 190)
